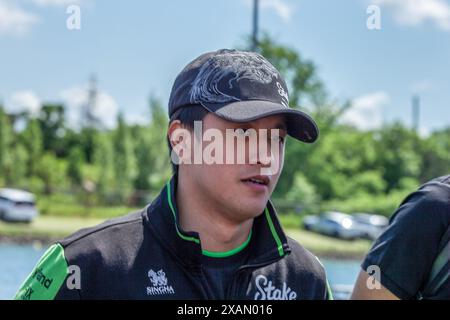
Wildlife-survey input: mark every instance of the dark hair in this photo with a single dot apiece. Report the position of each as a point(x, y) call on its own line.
point(186, 115)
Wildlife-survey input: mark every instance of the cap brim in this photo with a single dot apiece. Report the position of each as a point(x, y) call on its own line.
point(300, 125)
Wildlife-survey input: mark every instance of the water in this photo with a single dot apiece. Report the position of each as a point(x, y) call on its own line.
point(17, 261)
point(342, 276)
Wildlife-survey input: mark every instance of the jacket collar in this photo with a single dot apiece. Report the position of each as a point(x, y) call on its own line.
point(268, 241)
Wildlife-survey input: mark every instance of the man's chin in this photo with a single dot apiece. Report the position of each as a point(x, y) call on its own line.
point(253, 210)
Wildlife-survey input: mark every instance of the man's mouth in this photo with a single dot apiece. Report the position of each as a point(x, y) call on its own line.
point(262, 180)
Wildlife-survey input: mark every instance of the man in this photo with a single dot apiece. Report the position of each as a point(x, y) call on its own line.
point(212, 233)
point(411, 259)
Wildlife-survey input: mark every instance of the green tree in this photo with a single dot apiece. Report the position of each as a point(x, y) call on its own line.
point(51, 171)
point(153, 162)
point(303, 194)
point(398, 150)
point(124, 158)
point(435, 155)
point(32, 140)
point(75, 166)
point(19, 156)
point(103, 160)
point(52, 123)
point(6, 138)
point(144, 159)
point(158, 145)
point(87, 141)
point(345, 162)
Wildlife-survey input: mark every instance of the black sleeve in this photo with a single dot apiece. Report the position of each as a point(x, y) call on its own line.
point(406, 250)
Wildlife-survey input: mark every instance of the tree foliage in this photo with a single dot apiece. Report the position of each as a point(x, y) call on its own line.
point(346, 169)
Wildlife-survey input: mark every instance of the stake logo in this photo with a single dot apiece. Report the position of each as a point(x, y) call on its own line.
point(267, 291)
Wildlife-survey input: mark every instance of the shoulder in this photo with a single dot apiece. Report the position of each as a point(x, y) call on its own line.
point(422, 217)
point(309, 273)
point(106, 241)
point(428, 206)
point(305, 261)
point(109, 229)
point(437, 192)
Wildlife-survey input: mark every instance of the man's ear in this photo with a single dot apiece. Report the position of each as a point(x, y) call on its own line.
point(180, 141)
point(171, 132)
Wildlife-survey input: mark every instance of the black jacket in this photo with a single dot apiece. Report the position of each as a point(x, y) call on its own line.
point(146, 255)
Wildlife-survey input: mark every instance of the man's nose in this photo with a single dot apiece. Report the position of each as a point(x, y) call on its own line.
point(260, 154)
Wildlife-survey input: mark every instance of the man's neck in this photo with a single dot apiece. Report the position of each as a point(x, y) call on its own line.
point(217, 232)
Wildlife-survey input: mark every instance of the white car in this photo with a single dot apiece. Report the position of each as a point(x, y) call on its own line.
point(335, 224)
point(371, 224)
point(17, 205)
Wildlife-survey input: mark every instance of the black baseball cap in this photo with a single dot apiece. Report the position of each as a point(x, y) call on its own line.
point(239, 86)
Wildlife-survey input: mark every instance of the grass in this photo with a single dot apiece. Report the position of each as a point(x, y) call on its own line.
point(58, 209)
point(291, 221)
point(47, 227)
point(50, 228)
point(325, 246)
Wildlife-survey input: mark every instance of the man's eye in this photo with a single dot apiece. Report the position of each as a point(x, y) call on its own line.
point(244, 131)
point(280, 139)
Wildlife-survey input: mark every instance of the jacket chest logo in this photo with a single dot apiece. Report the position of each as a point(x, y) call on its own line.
point(159, 283)
point(267, 291)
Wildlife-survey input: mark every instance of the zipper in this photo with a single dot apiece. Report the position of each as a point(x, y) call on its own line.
point(197, 277)
point(206, 286)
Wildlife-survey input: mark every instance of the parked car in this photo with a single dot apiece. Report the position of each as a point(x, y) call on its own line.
point(17, 205)
point(371, 224)
point(335, 224)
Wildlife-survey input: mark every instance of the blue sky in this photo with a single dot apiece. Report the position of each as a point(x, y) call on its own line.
point(136, 48)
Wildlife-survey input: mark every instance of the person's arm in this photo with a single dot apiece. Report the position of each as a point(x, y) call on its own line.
point(362, 291)
point(47, 281)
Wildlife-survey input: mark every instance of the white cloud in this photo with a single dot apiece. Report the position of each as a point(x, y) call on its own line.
point(424, 132)
point(14, 20)
point(367, 111)
point(47, 3)
point(141, 118)
point(76, 98)
point(422, 86)
point(24, 101)
point(416, 12)
point(281, 7)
